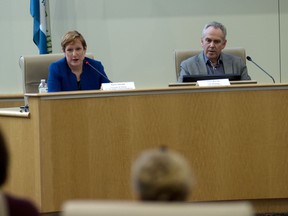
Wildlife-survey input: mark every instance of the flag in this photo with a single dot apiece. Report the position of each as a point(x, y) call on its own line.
point(39, 10)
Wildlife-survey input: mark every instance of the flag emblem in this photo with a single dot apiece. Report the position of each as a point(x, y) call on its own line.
point(39, 10)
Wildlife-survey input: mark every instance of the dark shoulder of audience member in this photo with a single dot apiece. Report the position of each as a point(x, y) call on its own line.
point(4, 160)
point(15, 205)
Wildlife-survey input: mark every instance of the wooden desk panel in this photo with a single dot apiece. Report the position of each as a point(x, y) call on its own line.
point(235, 140)
point(11, 100)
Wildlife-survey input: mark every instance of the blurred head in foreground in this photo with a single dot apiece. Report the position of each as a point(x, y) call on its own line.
point(4, 160)
point(11, 204)
point(161, 175)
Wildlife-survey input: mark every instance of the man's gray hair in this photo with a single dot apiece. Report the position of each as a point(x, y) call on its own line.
point(216, 25)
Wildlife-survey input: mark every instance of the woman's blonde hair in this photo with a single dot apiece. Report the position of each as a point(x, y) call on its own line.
point(161, 175)
point(70, 37)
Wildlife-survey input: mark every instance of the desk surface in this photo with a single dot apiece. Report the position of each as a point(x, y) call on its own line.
point(11, 100)
point(169, 90)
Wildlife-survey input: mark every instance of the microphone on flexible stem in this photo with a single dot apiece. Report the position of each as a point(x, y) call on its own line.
point(250, 59)
point(87, 63)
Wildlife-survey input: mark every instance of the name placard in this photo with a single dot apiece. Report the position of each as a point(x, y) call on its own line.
point(214, 82)
point(118, 86)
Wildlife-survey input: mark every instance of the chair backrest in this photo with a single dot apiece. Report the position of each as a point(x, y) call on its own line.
point(35, 67)
point(126, 208)
point(181, 55)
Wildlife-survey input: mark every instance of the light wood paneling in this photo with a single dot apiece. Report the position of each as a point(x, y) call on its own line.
point(235, 139)
point(11, 100)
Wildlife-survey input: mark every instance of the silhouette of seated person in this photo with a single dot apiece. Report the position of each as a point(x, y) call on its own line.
point(11, 205)
point(161, 175)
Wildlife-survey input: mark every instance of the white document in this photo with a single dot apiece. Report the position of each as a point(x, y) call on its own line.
point(118, 86)
point(214, 82)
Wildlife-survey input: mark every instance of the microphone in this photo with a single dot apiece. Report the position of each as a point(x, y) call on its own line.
point(250, 59)
point(87, 63)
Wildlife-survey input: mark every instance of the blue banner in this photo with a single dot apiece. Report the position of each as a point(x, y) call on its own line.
point(39, 10)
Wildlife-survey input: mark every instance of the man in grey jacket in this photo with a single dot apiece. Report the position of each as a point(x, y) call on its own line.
point(211, 61)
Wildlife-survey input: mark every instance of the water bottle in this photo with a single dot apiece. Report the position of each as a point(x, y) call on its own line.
point(43, 88)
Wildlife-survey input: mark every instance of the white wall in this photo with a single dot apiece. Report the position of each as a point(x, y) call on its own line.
point(135, 39)
point(283, 39)
point(16, 34)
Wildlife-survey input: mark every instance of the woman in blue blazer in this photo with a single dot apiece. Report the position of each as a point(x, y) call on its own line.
point(75, 71)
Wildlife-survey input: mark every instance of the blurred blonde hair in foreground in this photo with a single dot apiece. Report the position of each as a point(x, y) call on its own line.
point(161, 175)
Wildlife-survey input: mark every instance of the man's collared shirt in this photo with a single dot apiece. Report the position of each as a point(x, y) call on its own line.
point(214, 69)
